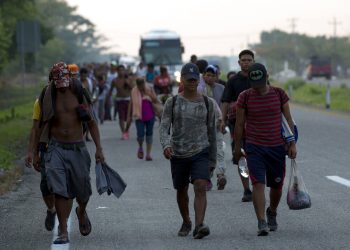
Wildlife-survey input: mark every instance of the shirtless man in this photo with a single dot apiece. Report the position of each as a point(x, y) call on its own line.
point(67, 160)
point(123, 85)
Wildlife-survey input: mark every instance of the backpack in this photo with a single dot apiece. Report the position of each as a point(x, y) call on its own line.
point(206, 101)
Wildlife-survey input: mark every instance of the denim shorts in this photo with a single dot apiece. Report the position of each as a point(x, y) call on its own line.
point(187, 170)
point(266, 164)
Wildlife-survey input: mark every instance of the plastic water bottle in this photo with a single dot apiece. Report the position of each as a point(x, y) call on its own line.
point(243, 167)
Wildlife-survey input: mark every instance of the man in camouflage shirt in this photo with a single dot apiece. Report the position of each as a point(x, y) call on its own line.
point(188, 138)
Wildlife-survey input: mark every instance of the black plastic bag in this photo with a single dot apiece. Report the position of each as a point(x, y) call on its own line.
point(297, 197)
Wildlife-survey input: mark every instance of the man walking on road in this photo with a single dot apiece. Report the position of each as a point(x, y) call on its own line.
point(188, 138)
point(35, 157)
point(259, 111)
point(234, 87)
point(67, 160)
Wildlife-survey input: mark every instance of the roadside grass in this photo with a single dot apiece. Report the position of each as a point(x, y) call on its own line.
point(315, 94)
point(16, 108)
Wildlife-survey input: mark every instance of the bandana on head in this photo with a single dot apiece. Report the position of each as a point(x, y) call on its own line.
point(59, 74)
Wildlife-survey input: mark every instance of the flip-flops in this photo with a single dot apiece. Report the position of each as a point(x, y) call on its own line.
point(84, 227)
point(61, 239)
point(140, 153)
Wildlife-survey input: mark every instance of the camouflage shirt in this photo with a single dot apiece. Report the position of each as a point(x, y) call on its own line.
point(190, 132)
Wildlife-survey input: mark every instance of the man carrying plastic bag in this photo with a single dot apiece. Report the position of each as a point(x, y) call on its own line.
point(259, 112)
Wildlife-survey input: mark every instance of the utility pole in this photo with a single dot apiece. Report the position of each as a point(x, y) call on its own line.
point(293, 24)
point(334, 23)
point(295, 58)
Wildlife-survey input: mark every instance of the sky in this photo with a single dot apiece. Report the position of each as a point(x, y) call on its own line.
point(208, 27)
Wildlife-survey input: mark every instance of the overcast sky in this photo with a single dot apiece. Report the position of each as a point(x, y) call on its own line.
point(215, 27)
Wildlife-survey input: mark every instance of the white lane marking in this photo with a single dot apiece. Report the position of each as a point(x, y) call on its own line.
point(55, 232)
point(101, 207)
point(340, 180)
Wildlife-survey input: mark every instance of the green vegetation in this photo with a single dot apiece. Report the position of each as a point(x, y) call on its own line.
point(277, 47)
point(65, 35)
point(15, 122)
point(315, 94)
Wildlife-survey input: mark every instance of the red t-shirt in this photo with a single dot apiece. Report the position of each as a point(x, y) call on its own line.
point(163, 82)
point(263, 116)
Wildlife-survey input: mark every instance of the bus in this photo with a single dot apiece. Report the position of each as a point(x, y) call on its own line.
point(162, 47)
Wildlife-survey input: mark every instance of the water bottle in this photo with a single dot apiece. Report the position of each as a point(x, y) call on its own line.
point(243, 167)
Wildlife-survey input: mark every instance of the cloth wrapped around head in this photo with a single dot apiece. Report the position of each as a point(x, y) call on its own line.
point(59, 75)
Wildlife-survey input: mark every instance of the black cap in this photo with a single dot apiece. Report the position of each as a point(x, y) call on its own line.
point(212, 69)
point(190, 71)
point(257, 74)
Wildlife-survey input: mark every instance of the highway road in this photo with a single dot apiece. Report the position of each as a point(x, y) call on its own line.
point(146, 216)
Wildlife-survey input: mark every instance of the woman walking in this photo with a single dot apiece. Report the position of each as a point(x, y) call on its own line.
point(141, 110)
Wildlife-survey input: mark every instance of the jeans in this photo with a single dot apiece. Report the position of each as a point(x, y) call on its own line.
point(145, 127)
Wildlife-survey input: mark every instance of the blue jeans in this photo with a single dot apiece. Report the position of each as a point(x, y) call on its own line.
point(145, 127)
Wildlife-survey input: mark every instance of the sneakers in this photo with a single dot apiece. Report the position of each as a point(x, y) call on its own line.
point(271, 219)
point(247, 196)
point(221, 182)
point(185, 229)
point(125, 136)
point(50, 220)
point(209, 185)
point(201, 231)
point(262, 228)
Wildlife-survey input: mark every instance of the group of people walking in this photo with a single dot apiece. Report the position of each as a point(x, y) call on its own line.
point(192, 129)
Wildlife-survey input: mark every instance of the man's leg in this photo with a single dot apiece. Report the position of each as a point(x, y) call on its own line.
point(275, 197)
point(50, 202)
point(200, 200)
point(63, 207)
point(182, 202)
point(259, 206)
point(82, 217)
point(259, 200)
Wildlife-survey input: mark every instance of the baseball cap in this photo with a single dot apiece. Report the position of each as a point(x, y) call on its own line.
point(212, 69)
point(190, 71)
point(257, 74)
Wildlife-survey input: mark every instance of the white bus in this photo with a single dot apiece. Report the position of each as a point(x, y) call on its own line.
point(162, 47)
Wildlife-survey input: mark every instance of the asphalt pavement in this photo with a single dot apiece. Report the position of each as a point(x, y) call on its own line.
point(147, 217)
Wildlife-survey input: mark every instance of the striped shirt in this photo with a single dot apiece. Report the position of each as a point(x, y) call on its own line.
point(263, 116)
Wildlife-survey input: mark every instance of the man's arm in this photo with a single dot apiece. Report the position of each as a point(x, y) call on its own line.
point(239, 128)
point(164, 127)
point(95, 134)
point(212, 135)
point(292, 150)
point(224, 110)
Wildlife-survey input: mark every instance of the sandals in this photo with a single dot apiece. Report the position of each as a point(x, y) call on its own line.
point(61, 239)
point(84, 227)
point(140, 153)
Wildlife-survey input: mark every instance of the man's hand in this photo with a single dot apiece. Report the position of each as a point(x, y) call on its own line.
point(36, 162)
point(292, 151)
point(223, 127)
point(168, 153)
point(237, 155)
point(28, 161)
point(99, 155)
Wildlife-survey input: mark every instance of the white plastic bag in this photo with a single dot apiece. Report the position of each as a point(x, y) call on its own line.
point(297, 197)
